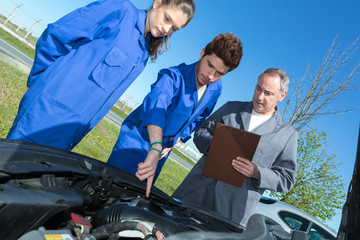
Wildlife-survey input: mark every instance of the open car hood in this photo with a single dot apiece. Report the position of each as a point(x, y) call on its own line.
point(46, 191)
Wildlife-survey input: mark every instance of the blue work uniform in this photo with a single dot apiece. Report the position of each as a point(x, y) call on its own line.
point(83, 64)
point(172, 105)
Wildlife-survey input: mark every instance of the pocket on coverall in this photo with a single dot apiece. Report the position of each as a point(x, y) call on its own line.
point(50, 122)
point(110, 72)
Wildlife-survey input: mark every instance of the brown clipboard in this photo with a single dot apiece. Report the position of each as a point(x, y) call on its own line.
point(228, 143)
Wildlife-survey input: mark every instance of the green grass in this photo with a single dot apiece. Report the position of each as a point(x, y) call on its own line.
point(170, 177)
point(123, 105)
point(12, 87)
point(16, 43)
point(20, 32)
point(119, 112)
point(182, 156)
point(97, 144)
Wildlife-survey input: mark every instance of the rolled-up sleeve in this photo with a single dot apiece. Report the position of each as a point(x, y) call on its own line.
point(157, 102)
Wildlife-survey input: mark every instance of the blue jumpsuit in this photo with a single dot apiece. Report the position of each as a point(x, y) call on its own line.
point(83, 64)
point(171, 105)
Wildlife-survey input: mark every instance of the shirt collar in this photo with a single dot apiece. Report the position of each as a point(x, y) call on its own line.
point(190, 77)
point(140, 25)
point(141, 21)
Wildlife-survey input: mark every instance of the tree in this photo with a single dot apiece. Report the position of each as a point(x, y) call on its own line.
point(312, 95)
point(318, 188)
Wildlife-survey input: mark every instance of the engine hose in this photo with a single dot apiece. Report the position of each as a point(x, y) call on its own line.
point(122, 212)
point(111, 230)
point(104, 231)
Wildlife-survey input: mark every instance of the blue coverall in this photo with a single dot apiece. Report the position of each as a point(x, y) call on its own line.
point(170, 105)
point(83, 64)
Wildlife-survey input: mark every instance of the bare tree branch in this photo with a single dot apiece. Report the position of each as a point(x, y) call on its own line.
point(314, 92)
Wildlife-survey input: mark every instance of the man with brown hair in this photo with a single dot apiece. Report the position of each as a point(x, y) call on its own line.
point(179, 101)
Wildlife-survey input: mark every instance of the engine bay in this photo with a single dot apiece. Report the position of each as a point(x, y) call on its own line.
point(51, 192)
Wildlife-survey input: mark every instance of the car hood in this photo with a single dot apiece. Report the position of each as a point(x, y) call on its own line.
point(43, 187)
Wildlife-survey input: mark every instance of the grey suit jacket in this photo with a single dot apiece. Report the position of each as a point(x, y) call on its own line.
point(275, 157)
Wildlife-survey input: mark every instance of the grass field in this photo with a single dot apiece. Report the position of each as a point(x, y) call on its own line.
point(16, 43)
point(20, 32)
point(97, 144)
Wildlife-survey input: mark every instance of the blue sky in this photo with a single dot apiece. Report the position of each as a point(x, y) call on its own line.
point(279, 33)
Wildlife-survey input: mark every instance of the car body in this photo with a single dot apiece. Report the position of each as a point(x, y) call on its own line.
point(47, 192)
point(292, 218)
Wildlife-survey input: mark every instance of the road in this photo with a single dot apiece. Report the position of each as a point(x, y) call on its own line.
point(16, 54)
point(114, 118)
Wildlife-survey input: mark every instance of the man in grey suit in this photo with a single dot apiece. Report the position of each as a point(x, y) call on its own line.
point(273, 166)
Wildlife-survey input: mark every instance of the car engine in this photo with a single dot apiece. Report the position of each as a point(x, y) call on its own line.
point(47, 193)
